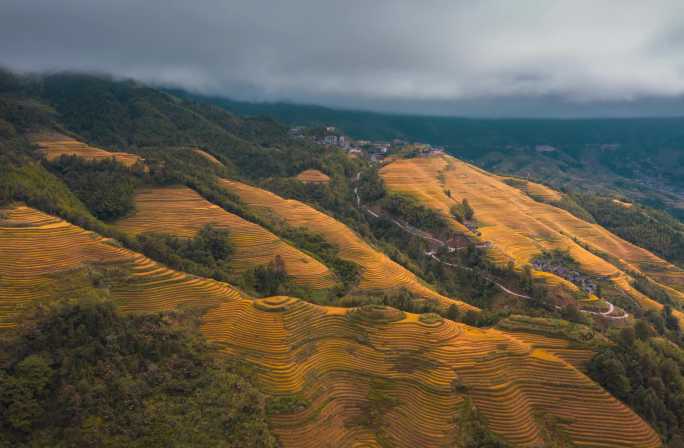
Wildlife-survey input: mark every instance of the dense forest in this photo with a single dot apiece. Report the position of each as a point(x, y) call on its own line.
point(81, 374)
point(644, 226)
point(644, 369)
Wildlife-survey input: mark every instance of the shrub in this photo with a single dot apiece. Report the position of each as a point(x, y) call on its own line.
point(462, 212)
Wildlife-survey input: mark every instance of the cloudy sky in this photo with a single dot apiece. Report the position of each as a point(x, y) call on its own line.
point(506, 57)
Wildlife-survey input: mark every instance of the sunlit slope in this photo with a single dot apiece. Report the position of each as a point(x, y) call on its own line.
point(521, 227)
point(572, 342)
point(371, 376)
point(313, 176)
point(54, 145)
point(39, 251)
point(379, 377)
point(379, 271)
point(207, 156)
point(535, 190)
point(183, 212)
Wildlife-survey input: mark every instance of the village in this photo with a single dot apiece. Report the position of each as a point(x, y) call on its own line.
point(375, 151)
point(557, 265)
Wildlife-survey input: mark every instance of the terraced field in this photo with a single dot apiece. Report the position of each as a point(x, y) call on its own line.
point(536, 190)
point(53, 145)
point(379, 377)
point(574, 343)
point(183, 212)
point(207, 156)
point(38, 251)
point(313, 177)
point(368, 377)
point(379, 271)
point(521, 227)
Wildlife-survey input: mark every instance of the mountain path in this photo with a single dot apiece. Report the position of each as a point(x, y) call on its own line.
point(426, 236)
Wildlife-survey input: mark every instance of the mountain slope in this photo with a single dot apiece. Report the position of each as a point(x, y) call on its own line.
point(45, 258)
point(379, 272)
point(523, 228)
point(641, 158)
point(362, 376)
point(366, 376)
point(54, 145)
point(182, 212)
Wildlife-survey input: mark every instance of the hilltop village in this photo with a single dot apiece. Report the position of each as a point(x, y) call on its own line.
point(374, 151)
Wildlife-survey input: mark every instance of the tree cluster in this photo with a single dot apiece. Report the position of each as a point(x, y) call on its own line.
point(207, 254)
point(269, 279)
point(645, 371)
point(81, 374)
point(651, 229)
point(106, 187)
point(414, 213)
point(462, 212)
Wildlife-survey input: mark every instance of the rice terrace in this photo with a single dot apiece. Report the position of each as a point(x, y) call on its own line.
point(323, 225)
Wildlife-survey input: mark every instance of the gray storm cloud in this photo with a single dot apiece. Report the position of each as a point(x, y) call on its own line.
point(358, 53)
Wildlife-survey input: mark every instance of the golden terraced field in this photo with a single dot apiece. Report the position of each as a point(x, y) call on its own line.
point(372, 376)
point(38, 250)
point(537, 190)
point(521, 227)
point(54, 145)
point(379, 271)
point(313, 176)
point(182, 212)
point(386, 378)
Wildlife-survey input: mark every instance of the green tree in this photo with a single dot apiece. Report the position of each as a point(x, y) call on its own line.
point(453, 313)
point(271, 278)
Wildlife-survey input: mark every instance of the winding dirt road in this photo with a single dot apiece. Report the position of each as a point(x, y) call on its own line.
point(426, 236)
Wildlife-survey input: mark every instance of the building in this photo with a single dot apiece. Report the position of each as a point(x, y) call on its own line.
point(343, 141)
point(331, 140)
point(297, 131)
point(381, 147)
point(377, 157)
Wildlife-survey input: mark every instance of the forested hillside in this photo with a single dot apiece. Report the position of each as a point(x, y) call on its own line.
point(641, 158)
